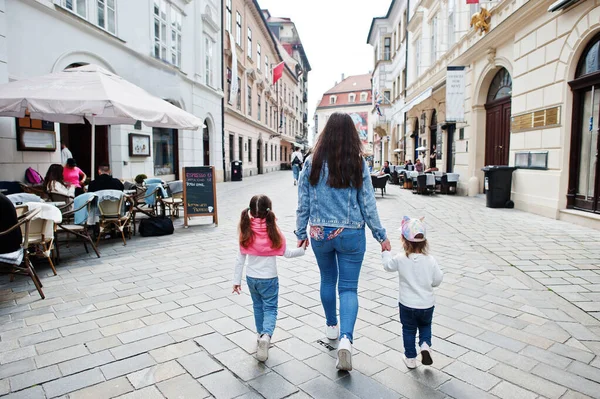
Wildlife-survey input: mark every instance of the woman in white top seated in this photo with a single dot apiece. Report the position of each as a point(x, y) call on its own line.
point(54, 183)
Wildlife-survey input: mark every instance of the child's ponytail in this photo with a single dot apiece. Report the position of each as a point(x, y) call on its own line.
point(246, 233)
point(272, 229)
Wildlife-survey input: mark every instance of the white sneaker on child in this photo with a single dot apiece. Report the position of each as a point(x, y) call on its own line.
point(426, 355)
point(332, 332)
point(344, 352)
point(262, 352)
point(411, 363)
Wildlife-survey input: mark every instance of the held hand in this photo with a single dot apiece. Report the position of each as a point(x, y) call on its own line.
point(386, 246)
point(303, 243)
point(237, 289)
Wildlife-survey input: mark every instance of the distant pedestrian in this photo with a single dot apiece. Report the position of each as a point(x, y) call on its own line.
point(336, 196)
point(297, 160)
point(65, 154)
point(260, 242)
point(418, 273)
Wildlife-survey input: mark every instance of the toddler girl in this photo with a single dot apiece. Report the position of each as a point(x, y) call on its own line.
point(260, 242)
point(418, 273)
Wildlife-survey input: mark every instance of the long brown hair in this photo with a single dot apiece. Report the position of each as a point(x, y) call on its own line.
point(339, 146)
point(410, 247)
point(54, 173)
point(260, 207)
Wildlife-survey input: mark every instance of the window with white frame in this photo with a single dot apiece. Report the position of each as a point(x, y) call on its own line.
point(228, 10)
point(258, 56)
point(160, 29)
point(363, 97)
point(259, 107)
point(107, 15)
point(250, 101)
point(351, 98)
point(266, 65)
point(249, 49)
point(417, 57)
point(176, 23)
point(79, 7)
point(208, 64)
point(434, 36)
point(238, 29)
point(332, 99)
point(451, 24)
point(387, 49)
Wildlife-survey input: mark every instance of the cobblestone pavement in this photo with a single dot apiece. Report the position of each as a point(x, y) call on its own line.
point(516, 317)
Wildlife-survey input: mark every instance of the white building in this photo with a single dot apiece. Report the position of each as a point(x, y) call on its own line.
point(387, 35)
point(171, 48)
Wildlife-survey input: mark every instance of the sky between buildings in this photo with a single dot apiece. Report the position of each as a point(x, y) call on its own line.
point(334, 35)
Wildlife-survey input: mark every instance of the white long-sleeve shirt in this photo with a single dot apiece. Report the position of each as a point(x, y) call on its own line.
point(417, 275)
point(261, 266)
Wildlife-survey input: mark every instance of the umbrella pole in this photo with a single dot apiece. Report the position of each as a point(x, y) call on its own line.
point(93, 147)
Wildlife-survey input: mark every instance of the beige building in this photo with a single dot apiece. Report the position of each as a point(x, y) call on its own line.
point(259, 116)
point(530, 99)
point(353, 96)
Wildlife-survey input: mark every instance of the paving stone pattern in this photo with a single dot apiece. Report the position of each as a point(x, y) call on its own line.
point(517, 316)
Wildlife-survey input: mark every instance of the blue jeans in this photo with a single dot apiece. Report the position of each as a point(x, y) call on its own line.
point(264, 293)
point(296, 171)
point(341, 256)
point(413, 320)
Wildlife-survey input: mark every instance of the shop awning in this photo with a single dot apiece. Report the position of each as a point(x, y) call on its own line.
point(418, 99)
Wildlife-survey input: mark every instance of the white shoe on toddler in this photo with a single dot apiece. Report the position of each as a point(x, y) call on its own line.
point(426, 355)
point(262, 351)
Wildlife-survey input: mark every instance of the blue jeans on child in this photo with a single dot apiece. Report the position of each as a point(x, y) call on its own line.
point(343, 256)
point(264, 293)
point(413, 320)
point(296, 171)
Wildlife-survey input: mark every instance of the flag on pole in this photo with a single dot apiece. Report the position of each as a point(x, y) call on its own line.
point(277, 72)
point(378, 109)
point(472, 1)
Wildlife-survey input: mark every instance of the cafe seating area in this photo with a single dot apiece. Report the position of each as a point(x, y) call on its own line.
point(424, 183)
point(51, 222)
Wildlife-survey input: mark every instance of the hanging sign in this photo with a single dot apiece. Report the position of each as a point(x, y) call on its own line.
point(455, 94)
point(199, 193)
point(233, 87)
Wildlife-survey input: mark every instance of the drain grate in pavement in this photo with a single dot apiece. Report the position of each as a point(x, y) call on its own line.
point(325, 344)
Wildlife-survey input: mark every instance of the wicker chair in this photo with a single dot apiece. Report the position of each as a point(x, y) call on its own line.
point(20, 264)
point(81, 231)
point(42, 243)
point(140, 204)
point(111, 215)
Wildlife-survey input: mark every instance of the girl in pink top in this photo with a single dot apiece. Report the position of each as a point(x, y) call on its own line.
point(261, 242)
point(74, 176)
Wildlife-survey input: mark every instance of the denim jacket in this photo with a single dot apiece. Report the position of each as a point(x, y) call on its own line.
point(322, 205)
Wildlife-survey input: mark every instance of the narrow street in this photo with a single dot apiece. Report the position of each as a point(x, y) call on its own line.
point(517, 316)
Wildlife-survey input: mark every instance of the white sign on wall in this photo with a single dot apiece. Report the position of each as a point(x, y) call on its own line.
point(455, 94)
point(233, 87)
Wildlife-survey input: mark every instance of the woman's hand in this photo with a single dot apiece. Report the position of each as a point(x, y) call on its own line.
point(303, 243)
point(237, 289)
point(386, 246)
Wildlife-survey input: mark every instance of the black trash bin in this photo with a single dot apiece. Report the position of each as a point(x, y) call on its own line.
point(236, 170)
point(498, 183)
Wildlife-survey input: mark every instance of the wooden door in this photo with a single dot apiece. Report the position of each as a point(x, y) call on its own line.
point(497, 132)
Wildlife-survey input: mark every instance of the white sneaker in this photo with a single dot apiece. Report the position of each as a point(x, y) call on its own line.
point(426, 355)
point(262, 352)
point(410, 363)
point(344, 352)
point(332, 332)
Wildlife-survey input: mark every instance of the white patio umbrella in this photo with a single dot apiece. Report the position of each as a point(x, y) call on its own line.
point(90, 93)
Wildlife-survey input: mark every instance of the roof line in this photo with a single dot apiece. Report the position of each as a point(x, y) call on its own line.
point(376, 18)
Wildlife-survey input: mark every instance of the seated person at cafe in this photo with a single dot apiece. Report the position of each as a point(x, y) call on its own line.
point(419, 167)
point(8, 218)
point(386, 169)
point(105, 181)
point(54, 182)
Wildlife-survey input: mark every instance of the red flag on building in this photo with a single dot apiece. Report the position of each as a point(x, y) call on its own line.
point(277, 72)
point(472, 1)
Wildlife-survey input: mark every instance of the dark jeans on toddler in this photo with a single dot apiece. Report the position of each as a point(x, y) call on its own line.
point(413, 320)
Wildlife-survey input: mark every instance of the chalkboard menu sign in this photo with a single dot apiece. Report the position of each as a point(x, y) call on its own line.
point(199, 192)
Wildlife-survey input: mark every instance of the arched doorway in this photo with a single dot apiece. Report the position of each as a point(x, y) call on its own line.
point(206, 143)
point(259, 157)
point(497, 131)
point(432, 139)
point(584, 173)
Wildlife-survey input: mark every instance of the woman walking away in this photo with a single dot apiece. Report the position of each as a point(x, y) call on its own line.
point(297, 160)
point(418, 273)
point(260, 242)
point(336, 196)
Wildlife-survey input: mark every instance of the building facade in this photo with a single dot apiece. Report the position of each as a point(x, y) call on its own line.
point(529, 97)
point(387, 35)
point(352, 96)
point(170, 48)
point(261, 118)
